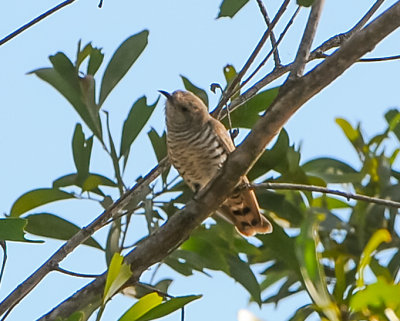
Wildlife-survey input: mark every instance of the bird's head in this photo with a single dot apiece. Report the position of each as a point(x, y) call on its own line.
point(184, 108)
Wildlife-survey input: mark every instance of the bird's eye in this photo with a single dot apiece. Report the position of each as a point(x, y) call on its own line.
point(184, 109)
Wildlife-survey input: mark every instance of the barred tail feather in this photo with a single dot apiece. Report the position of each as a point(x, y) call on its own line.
point(242, 209)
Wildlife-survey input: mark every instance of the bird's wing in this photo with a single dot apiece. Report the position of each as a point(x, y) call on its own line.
point(241, 207)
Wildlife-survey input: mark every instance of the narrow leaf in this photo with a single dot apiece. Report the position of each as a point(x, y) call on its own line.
point(242, 273)
point(305, 3)
point(229, 8)
point(380, 295)
point(36, 198)
point(134, 123)
point(118, 274)
point(144, 305)
point(81, 149)
point(50, 225)
point(311, 269)
point(121, 61)
point(159, 144)
point(249, 113)
point(168, 307)
point(95, 60)
point(380, 236)
point(12, 229)
point(201, 93)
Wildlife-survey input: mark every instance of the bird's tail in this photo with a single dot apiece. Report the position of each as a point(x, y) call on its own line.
point(241, 209)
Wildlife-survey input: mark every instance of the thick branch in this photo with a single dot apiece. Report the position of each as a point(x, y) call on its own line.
point(29, 284)
point(178, 228)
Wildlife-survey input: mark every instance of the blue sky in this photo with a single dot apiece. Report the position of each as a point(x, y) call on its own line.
point(36, 123)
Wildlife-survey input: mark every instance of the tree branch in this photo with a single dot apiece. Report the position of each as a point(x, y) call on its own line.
point(232, 87)
point(262, 63)
point(179, 227)
point(273, 40)
point(320, 189)
point(303, 53)
point(135, 194)
point(337, 40)
point(317, 53)
point(35, 21)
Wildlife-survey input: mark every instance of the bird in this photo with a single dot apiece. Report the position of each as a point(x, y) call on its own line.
point(198, 146)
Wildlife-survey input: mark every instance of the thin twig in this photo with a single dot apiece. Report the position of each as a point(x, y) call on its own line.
point(337, 40)
point(313, 188)
point(80, 275)
point(273, 40)
point(3, 244)
point(35, 21)
point(306, 42)
point(178, 228)
point(232, 86)
point(281, 37)
point(30, 283)
point(378, 59)
point(152, 288)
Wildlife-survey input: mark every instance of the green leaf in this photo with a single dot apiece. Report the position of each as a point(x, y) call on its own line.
point(302, 313)
point(329, 203)
point(93, 181)
point(229, 8)
point(36, 198)
point(80, 93)
point(159, 144)
point(271, 158)
point(332, 170)
point(161, 286)
point(81, 149)
point(246, 115)
point(393, 119)
point(201, 93)
point(380, 236)
point(230, 74)
point(118, 273)
point(305, 3)
point(134, 123)
point(12, 229)
point(90, 184)
point(112, 243)
point(242, 273)
point(311, 269)
point(95, 61)
point(167, 307)
point(121, 62)
point(352, 134)
point(209, 254)
point(50, 225)
point(82, 54)
point(144, 305)
point(380, 295)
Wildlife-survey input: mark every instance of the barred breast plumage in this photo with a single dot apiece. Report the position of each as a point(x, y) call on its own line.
point(198, 146)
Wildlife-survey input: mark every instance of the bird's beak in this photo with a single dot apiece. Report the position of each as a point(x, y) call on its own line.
point(166, 94)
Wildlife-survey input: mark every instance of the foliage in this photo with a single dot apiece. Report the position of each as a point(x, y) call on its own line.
point(321, 246)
